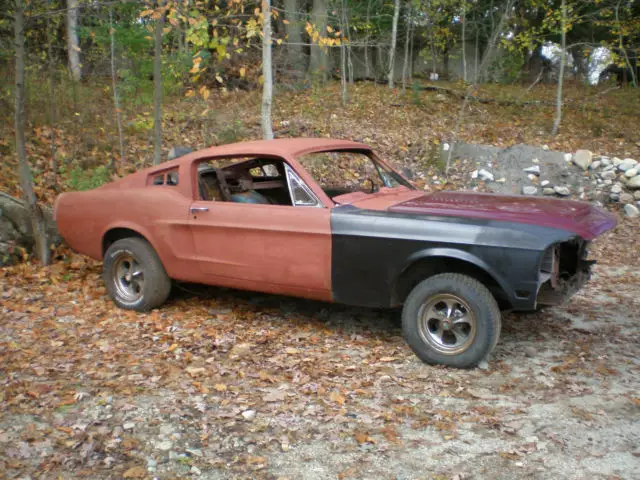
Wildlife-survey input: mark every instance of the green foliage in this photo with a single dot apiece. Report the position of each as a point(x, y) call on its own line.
point(508, 67)
point(80, 179)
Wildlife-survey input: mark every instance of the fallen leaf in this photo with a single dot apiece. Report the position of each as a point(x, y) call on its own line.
point(135, 472)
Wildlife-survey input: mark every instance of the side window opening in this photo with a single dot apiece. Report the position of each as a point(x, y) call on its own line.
point(172, 178)
point(255, 180)
point(158, 179)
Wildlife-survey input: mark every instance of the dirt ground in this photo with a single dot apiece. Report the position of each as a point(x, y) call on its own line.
point(227, 384)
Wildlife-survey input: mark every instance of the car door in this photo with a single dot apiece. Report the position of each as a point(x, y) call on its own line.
point(272, 248)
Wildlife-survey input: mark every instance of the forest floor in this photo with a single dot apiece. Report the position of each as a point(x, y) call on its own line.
point(227, 384)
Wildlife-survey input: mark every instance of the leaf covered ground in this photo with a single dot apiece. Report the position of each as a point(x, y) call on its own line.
point(228, 384)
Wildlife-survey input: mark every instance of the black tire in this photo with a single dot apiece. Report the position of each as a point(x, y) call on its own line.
point(144, 291)
point(430, 331)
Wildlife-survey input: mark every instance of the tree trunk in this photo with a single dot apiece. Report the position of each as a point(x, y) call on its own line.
point(464, 43)
point(319, 62)
point(73, 47)
point(632, 68)
point(367, 61)
point(114, 86)
point(157, 87)
point(346, 27)
point(343, 57)
point(563, 60)
point(477, 50)
point(52, 103)
point(267, 71)
point(294, 36)
point(407, 40)
point(394, 38)
point(38, 222)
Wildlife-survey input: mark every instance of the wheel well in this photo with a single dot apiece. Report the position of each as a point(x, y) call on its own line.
point(116, 234)
point(425, 268)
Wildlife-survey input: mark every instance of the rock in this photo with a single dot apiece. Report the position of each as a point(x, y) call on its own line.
point(595, 165)
point(249, 414)
point(626, 198)
point(151, 463)
point(616, 161)
point(165, 445)
point(545, 147)
point(485, 175)
point(129, 425)
point(614, 197)
point(632, 172)
point(544, 183)
point(564, 191)
point(501, 180)
point(568, 157)
point(636, 194)
point(626, 164)
point(616, 188)
point(605, 161)
point(474, 174)
point(530, 351)
point(483, 365)
point(196, 452)
point(583, 159)
point(534, 169)
point(631, 211)
point(608, 175)
point(548, 191)
point(195, 470)
point(535, 160)
point(532, 177)
point(608, 182)
point(634, 182)
point(529, 190)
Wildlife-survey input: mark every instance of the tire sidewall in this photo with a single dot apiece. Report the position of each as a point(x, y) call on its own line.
point(484, 312)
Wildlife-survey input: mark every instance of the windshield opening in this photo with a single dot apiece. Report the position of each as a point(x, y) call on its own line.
point(343, 172)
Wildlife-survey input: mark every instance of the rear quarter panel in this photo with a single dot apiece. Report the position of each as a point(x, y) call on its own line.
point(158, 213)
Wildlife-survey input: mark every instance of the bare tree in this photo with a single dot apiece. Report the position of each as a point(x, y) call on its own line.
point(394, 38)
point(267, 85)
point(563, 61)
point(318, 62)
point(367, 61)
point(51, 73)
point(157, 86)
point(38, 222)
point(73, 46)
point(114, 86)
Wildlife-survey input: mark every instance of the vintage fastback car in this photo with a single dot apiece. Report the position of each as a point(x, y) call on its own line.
point(329, 220)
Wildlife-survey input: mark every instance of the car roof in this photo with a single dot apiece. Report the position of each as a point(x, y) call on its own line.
point(280, 147)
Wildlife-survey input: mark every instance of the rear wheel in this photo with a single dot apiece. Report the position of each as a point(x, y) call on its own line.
point(134, 276)
point(451, 319)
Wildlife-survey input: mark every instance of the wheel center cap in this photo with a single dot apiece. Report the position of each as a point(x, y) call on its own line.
point(127, 277)
point(446, 324)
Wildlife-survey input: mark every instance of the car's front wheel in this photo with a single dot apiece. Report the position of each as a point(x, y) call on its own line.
point(451, 319)
point(134, 276)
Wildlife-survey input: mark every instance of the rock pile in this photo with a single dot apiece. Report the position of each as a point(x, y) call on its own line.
point(581, 175)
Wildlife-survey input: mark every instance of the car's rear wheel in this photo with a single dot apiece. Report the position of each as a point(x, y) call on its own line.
point(451, 319)
point(134, 276)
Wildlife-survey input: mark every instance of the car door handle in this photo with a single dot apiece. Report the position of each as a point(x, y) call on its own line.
point(198, 209)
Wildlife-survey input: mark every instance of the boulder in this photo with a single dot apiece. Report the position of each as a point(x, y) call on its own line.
point(634, 182)
point(626, 198)
point(529, 190)
point(15, 228)
point(632, 172)
point(626, 164)
point(631, 211)
point(583, 159)
point(563, 191)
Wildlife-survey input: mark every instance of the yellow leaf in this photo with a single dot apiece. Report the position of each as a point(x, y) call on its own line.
point(329, 29)
point(135, 472)
point(145, 13)
point(172, 347)
point(243, 71)
point(220, 387)
point(219, 78)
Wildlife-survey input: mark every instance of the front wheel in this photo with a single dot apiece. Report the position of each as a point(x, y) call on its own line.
point(451, 319)
point(134, 276)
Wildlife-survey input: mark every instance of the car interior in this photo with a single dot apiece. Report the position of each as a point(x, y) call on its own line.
point(255, 180)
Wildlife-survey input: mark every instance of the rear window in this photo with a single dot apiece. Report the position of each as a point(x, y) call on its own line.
point(170, 178)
